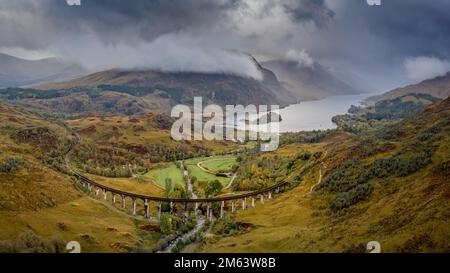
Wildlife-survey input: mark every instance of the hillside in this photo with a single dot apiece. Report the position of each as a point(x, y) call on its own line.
point(36, 196)
point(382, 113)
point(29, 149)
point(17, 72)
point(108, 143)
point(389, 186)
point(438, 87)
point(308, 83)
point(182, 87)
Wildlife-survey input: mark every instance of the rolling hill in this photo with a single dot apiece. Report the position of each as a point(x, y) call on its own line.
point(182, 87)
point(18, 72)
point(438, 87)
point(41, 208)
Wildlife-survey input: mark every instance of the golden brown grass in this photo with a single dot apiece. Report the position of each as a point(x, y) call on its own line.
point(95, 225)
point(129, 184)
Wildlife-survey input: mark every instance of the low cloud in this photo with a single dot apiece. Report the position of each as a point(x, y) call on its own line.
point(301, 57)
point(170, 53)
point(422, 68)
point(73, 2)
point(176, 35)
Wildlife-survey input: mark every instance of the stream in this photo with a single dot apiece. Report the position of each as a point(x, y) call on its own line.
point(201, 220)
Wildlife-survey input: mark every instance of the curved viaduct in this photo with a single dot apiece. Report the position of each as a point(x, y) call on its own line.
point(235, 200)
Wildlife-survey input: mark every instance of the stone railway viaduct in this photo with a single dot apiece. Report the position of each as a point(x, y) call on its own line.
point(235, 200)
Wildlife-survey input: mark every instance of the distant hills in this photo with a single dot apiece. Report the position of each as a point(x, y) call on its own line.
point(309, 82)
point(181, 87)
point(18, 72)
point(438, 87)
point(130, 92)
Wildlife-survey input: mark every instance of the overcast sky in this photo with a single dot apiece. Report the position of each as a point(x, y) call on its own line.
point(378, 47)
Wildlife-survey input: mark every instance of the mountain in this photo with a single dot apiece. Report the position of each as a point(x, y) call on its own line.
point(183, 86)
point(438, 87)
point(17, 72)
point(130, 92)
point(308, 82)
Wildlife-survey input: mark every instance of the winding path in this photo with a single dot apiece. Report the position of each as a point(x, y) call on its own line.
point(320, 174)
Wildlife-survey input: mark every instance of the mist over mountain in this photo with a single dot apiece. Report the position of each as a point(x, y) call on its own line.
point(17, 72)
point(308, 80)
point(135, 91)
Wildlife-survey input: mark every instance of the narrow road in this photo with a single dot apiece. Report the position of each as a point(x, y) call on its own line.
point(231, 181)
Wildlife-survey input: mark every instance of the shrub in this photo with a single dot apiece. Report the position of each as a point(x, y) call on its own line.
point(11, 164)
point(304, 156)
point(170, 224)
point(213, 188)
point(225, 226)
point(350, 181)
point(29, 242)
point(353, 196)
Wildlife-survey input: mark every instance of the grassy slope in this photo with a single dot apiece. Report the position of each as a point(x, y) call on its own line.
point(191, 165)
point(438, 87)
point(95, 225)
point(408, 214)
point(35, 185)
point(128, 184)
point(219, 163)
point(40, 199)
point(170, 171)
point(118, 130)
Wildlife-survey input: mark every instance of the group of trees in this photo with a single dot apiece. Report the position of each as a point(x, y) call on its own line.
point(113, 161)
point(352, 181)
point(353, 196)
point(397, 166)
point(384, 112)
point(399, 108)
point(173, 224)
point(113, 171)
point(15, 93)
point(11, 164)
point(260, 172)
point(304, 137)
point(162, 153)
point(257, 172)
point(213, 188)
point(164, 91)
point(225, 226)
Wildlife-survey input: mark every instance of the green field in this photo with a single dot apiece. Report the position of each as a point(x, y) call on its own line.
point(219, 164)
point(170, 171)
point(212, 163)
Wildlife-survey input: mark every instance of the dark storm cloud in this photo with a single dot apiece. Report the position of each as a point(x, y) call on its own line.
point(117, 20)
point(409, 27)
point(309, 10)
point(377, 40)
point(163, 34)
point(109, 20)
point(350, 36)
